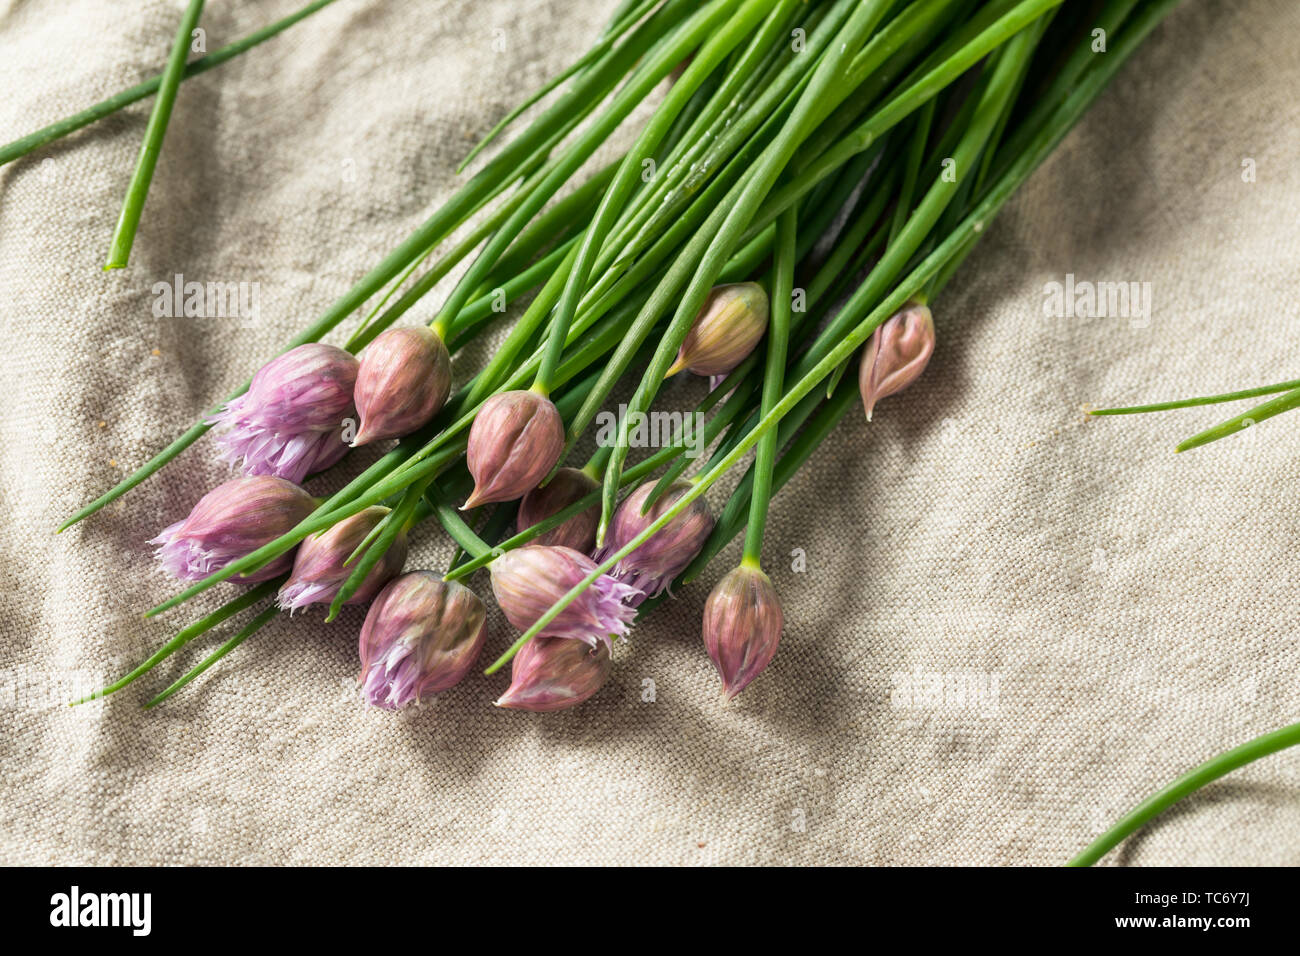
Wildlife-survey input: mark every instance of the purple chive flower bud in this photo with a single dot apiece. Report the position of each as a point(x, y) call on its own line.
point(514, 442)
point(742, 626)
point(567, 486)
point(896, 354)
point(527, 581)
point(421, 636)
point(550, 673)
point(319, 572)
point(650, 569)
point(403, 380)
point(290, 421)
point(729, 324)
point(232, 520)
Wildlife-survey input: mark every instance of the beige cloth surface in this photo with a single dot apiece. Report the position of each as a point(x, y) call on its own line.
point(1102, 613)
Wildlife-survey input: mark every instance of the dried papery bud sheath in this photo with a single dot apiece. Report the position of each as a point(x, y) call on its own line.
point(896, 354)
point(550, 673)
point(290, 421)
point(232, 520)
point(403, 381)
point(567, 486)
point(728, 327)
point(528, 580)
point(650, 569)
point(421, 636)
point(742, 627)
point(515, 441)
point(319, 570)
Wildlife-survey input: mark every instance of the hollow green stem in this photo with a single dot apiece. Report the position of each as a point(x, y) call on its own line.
point(1186, 785)
point(1202, 400)
point(455, 525)
point(778, 335)
point(151, 148)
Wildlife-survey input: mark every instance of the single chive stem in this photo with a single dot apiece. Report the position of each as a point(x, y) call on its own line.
point(456, 526)
point(912, 168)
point(1202, 400)
point(255, 625)
point(70, 124)
point(778, 335)
point(1186, 785)
point(151, 148)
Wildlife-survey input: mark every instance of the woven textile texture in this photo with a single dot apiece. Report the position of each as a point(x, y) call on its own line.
point(1005, 623)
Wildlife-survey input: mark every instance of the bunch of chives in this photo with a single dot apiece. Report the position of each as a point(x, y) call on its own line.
point(758, 146)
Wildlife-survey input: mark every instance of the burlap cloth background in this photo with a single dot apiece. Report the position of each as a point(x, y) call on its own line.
point(1129, 612)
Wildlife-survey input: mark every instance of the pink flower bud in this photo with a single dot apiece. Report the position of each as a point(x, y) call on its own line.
point(650, 569)
point(290, 421)
point(319, 571)
point(515, 441)
point(550, 673)
point(528, 580)
point(421, 636)
point(567, 486)
point(730, 323)
point(896, 354)
point(742, 627)
point(403, 381)
point(232, 520)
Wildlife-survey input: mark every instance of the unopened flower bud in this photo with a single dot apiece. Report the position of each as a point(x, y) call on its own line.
point(650, 569)
point(550, 673)
point(290, 421)
point(528, 580)
point(728, 327)
point(515, 441)
point(742, 627)
point(896, 354)
point(421, 636)
point(403, 381)
point(319, 571)
point(567, 486)
point(232, 520)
